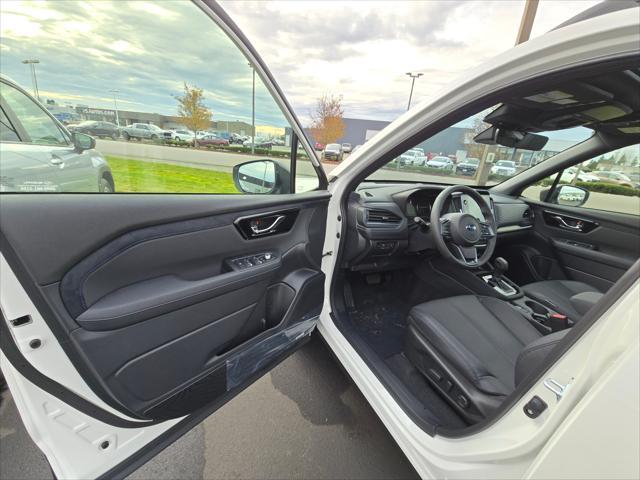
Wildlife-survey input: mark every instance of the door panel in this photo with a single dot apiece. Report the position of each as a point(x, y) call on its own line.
point(598, 252)
point(157, 310)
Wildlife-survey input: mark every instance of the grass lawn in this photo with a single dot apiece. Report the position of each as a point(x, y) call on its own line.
point(157, 177)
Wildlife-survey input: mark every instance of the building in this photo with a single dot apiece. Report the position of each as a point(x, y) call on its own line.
point(69, 114)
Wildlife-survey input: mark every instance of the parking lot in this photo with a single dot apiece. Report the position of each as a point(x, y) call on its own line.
point(224, 161)
point(305, 419)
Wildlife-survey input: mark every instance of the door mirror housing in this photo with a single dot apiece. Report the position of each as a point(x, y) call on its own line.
point(82, 142)
point(262, 177)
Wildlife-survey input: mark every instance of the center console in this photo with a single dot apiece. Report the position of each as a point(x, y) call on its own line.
point(543, 318)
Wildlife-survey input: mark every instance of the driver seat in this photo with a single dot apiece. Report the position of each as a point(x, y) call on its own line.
point(474, 350)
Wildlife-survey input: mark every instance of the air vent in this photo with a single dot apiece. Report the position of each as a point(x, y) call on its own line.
point(528, 214)
point(376, 215)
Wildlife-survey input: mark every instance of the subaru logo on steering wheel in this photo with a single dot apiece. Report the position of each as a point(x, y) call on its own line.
point(471, 227)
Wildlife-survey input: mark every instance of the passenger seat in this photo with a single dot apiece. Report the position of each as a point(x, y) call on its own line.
point(569, 297)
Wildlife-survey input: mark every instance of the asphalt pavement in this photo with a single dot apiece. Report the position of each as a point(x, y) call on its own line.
point(305, 419)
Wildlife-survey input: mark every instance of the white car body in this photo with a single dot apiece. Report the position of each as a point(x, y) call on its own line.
point(569, 174)
point(413, 157)
point(504, 167)
point(183, 135)
point(590, 431)
point(443, 163)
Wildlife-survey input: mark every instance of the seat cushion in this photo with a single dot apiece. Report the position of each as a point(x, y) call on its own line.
point(557, 294)
point(481, 337)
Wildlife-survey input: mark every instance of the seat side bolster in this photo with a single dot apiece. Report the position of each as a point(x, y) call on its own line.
point(459, 356)
point(535, 353)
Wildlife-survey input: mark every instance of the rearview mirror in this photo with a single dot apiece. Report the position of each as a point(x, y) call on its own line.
point(261, 177)
point(82, 142)
point(511, 138)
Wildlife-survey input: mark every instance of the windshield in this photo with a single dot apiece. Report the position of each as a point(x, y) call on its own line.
point(333, 146)
point(452, 156)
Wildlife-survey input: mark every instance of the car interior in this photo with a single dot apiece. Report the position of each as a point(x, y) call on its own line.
point(454, 294)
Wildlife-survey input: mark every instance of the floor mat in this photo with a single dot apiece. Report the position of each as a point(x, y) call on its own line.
point(382, 326)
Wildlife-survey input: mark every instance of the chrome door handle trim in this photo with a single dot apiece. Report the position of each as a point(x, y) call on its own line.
point(259, 231)
point(563, 224)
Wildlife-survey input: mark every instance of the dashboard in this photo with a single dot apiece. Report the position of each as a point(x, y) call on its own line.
point(420, 203)
point(383, 230)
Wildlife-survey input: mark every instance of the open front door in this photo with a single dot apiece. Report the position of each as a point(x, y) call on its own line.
point(128, 317)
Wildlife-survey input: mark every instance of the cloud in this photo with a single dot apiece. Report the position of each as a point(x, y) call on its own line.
point(360, 50)
point(144, 50)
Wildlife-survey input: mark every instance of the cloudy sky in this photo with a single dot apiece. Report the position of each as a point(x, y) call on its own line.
point(360, 50)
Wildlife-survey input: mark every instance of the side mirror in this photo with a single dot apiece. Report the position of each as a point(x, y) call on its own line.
point(571, 195)
point(261, 177)
point(568, 195)
point(82, 142)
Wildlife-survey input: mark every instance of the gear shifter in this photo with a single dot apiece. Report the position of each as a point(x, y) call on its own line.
point(501, 266)
point(497, 280)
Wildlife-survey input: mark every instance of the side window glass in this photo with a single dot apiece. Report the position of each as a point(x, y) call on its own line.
point(7, 130)
point(609, 182)
point(40, 128)
point(206, 113)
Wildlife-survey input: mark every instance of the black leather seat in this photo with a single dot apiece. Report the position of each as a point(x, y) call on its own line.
point(560, 295)
point(474, 350)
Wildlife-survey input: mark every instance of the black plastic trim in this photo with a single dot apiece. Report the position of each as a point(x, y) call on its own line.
point(142, 456)
point(36, 296)
point(29, 372)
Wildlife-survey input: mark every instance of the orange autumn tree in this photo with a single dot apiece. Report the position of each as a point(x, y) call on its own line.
point(327, 125)
point(192, 111)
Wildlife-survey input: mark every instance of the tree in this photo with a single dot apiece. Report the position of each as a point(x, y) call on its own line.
point(191, 109)
point(327, 125)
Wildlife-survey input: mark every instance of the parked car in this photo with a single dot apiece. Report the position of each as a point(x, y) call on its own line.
point(148, 131)
point(183, 135)
point(38, 154)
point(236, 139)
point(208, 140)
point(441, 162)
point(413, 157)
point(614, 177)
point(96, 129)
point(318, 146)
point(570, 173)
point(333, 151)
point(346, 147)
point(468, 167)
point(506, 168)
point(127, 320)
point(259, 143)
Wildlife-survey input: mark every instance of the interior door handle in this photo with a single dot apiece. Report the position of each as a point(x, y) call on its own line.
point(259, 231)
point(563, 224)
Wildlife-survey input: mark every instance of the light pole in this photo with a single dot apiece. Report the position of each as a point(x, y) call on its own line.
point(115, 92)
point(34, 80)
point(253, 110)
point(413, 81)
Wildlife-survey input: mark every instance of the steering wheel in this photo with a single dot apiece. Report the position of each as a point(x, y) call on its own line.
point(459, 235)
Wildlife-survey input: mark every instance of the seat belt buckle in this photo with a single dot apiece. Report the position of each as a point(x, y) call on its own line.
point(557, 321)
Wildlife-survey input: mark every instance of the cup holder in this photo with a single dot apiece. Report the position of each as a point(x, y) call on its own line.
point(536, 307)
